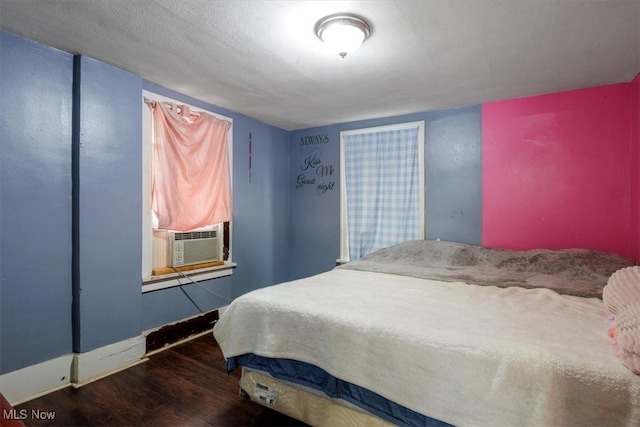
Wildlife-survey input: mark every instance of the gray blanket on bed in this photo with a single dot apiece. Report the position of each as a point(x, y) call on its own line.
point(578, 272)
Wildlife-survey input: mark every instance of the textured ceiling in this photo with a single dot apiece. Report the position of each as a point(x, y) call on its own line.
point(262, 58)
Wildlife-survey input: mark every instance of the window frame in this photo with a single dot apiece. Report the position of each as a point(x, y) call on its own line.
point(344, 226)
point(149, 281)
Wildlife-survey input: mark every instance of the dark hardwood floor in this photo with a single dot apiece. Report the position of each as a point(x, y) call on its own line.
point(186, 385)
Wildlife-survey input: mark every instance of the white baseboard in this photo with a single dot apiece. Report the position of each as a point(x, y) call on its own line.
point(36, 380)
point(103, 361)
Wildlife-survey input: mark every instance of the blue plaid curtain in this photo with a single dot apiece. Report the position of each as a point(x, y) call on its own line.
point(382, 189)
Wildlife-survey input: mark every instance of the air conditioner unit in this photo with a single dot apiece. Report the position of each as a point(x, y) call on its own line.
point(194, 247)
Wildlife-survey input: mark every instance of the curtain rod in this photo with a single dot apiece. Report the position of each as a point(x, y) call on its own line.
point(153, 103)
point(171, 105)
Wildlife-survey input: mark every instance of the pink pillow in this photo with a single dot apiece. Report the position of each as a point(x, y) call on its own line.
point(621, 296)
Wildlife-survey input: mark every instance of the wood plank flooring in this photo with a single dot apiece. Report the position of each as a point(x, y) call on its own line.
point(186, 385)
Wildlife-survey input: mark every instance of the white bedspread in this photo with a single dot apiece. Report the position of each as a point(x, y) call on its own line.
point(464, 354)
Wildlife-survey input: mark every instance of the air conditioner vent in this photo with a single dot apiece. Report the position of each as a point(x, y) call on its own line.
point(195, 235)
point(193, 247)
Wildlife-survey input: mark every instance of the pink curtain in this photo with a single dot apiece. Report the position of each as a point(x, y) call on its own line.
point(191, 185)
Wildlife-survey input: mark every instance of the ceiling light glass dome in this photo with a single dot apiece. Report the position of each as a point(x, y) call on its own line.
point(343, 33)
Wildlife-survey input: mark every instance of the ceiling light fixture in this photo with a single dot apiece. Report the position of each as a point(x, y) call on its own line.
point(343, 33)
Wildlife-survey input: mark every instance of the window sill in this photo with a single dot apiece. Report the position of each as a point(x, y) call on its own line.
point(155, 283)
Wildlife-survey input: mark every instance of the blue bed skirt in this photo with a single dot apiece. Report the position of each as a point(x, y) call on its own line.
point(318, 379)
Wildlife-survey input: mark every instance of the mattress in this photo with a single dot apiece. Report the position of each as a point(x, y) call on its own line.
point(304, 404)
point(460, 353)
point(314, 380)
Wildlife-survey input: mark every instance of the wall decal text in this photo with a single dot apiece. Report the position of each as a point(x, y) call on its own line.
point(312, 166)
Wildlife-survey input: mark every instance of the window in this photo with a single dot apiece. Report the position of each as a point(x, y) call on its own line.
point(382, 191)
point(157, 272)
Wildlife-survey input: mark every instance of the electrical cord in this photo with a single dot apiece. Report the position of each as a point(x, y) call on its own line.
point(191, 299)
point(180, 285)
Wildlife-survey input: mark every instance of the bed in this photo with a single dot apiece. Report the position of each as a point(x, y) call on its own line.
point(437, 333)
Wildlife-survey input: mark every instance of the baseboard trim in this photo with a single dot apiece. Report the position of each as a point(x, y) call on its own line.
point(36, 380)
point(182, 341)
point(95, 364)
point(106, 374)
point(78, 369)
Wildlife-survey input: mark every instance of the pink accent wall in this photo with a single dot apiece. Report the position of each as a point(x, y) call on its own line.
point(556, 171)
point(635, 167)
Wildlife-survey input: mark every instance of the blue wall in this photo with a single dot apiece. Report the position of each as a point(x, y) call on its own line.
point(261, 205)
point(71, 208)
point(453, 199)
point(107, 204)
point(453, 168)
point(35, 202)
